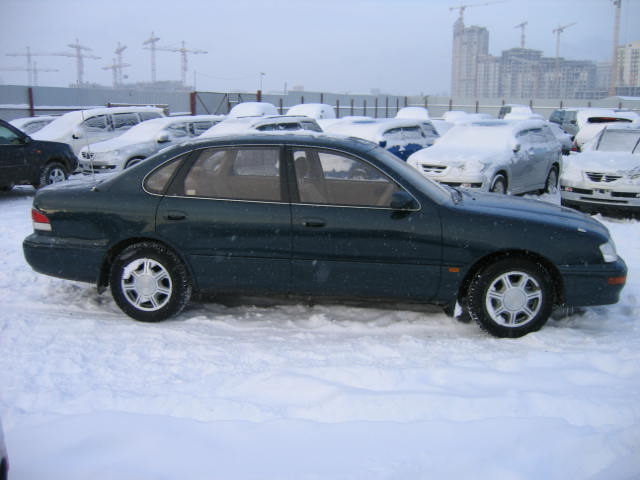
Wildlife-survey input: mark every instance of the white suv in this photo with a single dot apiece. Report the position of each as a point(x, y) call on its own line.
point(84, 127)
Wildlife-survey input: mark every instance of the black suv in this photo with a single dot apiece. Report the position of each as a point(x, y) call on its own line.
point(24, 161)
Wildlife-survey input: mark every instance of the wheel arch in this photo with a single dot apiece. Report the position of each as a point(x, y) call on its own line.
point(550, 268)
point(116, 249)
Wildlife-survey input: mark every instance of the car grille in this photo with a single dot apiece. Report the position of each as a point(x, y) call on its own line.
point(602, 177)
point(433, 169)
point(87, 155)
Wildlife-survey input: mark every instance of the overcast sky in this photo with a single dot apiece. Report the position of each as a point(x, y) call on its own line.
point(396, 46)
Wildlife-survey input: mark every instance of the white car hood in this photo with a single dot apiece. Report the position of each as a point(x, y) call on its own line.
point(460, 156)
point(116, 143)
point(613, 163)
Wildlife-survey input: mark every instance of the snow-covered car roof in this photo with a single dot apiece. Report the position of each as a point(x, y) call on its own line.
point(21, 122)
point(318, 111)
point(71, 119)
point(414, 113)
point(232, 125)
point(370, 129)
point(253, 109)
point(485, 134)
point(587, 115)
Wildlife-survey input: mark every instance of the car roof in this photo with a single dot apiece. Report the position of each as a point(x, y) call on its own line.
point(372, 128)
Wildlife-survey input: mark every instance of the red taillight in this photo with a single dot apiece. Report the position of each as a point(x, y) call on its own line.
point(617, 280)
point(40, 220)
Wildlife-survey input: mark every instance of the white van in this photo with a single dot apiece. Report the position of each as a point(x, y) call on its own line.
point(85, 127)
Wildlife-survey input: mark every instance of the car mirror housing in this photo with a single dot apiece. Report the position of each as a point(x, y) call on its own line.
point(162, 137)
point(77, 133)
point(402, 201)
point(516, 147)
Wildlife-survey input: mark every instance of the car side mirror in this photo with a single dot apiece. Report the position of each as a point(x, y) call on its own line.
point(402, 201)
point(516, 147)
point(77, 133)
point(162, 137)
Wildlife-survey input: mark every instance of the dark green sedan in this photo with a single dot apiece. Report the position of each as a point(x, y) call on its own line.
point(317, 215)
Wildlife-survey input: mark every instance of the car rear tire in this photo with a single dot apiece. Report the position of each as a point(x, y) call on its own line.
point(149, 282)
point(53, 172)
point(551, 185)
point(499, 184)
point(511, 297)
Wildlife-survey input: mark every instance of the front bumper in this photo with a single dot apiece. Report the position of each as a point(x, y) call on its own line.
point(586, 285)
point(71, 259)
point(599, 195)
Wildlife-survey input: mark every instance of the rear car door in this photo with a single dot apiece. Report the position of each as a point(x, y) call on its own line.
point(228, 211)
point(347, 239)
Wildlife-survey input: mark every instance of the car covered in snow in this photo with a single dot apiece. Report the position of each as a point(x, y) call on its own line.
point(318, 111)
point(400, 136)
point(267, 123)
point(494, 156)
point(85, 127)
point(514, 108)
point(25, 161)
point(4, 457)
point(606, 174)
point(253, 109)
point(317, 215)
point(591, 120)
point(142, 141)
point(31, 125)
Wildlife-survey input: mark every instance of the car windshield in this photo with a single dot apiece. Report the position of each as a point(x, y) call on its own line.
point(619, 141)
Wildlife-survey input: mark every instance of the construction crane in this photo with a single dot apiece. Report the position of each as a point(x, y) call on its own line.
point(151, 42)
point(116, 67)
point(462, 8)
point(79, 56)
point(557, 32)
point(183, 58)
point(616, 41)
point(522, 26)
point(32, 72)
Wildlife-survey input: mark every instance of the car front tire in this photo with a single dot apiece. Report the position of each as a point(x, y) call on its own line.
point(53, 172)
point(551, 185)
point(499, 184)
point(511, 297)
point(149, 282)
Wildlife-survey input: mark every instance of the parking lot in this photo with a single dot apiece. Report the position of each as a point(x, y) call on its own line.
point(255, 388)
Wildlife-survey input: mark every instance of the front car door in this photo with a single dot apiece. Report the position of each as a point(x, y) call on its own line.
point(228, 210)
point(346, 238)
point(13, 166)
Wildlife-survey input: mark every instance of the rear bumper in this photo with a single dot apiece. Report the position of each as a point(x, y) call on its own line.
point(71, 259)
point(593, 284)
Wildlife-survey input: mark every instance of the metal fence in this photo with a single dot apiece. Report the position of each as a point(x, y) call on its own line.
point(20, 101)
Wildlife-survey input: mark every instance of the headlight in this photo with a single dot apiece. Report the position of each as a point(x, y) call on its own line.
point(608, 251)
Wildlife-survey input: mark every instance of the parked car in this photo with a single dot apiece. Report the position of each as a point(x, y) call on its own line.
point(592, 120)
point(413, 113)
point(268, 123)
point(317, 111)
point(24, 161)
point(85, 127)
point(31, 125)
point(253, 109)
point(563, 137)
point(142, 141)
point(567, 119)
point(322, 216)
point(514, 108)
point(400, 136)
point(606, 174)
point(494, 156)
point(4, 457)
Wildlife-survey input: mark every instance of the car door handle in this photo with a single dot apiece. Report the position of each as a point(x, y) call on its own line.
point(313, 222)
point(175, 215)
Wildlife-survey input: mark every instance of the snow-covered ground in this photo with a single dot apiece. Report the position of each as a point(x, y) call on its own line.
point(282, 390)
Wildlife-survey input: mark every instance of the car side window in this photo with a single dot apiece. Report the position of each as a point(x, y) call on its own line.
point(331, 178)
point(412, 133)
point(8, 137)
point(251, 174)
point(124, 121)
point(97, 124)
point(158, 180)
point(149, 115)
point(393, 134)
point(178, 130)
point(198, 128)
